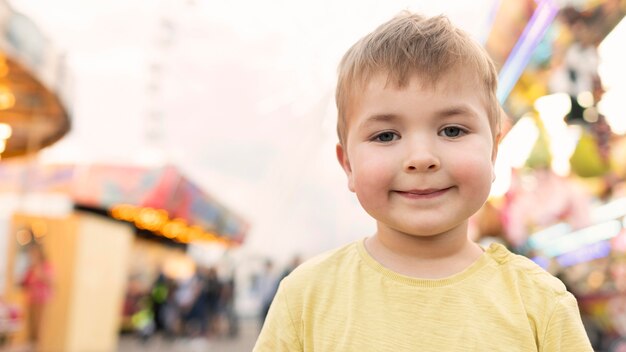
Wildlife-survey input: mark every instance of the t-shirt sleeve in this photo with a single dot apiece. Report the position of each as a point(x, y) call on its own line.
point(565, 330)
point(279, 331)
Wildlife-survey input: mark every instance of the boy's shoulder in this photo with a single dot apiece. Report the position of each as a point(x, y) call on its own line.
point(525, 272)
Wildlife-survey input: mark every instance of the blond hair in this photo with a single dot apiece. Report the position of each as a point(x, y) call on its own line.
point(410, 44)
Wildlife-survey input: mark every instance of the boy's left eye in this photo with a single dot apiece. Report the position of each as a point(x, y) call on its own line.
point(385, 137)
point(452, 131)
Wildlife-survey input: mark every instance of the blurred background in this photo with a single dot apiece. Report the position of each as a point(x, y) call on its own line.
point(165, 163)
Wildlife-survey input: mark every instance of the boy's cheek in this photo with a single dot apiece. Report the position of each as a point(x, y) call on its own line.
point(369, 179)
point(478, 172)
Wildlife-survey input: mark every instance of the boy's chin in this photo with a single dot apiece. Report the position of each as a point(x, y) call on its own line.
point(424, 232)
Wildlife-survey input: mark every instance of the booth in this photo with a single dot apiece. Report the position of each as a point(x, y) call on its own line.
point(100, 226)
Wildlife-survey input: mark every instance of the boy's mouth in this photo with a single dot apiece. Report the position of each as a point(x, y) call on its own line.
point(423, 193)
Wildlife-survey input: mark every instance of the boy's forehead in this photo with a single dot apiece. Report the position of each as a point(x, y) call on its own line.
point(452, 79)
point(383, 80)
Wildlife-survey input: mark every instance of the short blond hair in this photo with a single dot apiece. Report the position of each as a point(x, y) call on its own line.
point(411, 44)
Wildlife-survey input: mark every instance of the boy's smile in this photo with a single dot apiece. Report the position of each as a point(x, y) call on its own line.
point(423, 193)
point(419, 158)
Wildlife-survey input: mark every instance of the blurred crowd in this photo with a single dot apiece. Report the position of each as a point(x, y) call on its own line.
point(203, 305)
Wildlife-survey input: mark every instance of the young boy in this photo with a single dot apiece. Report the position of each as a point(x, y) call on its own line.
point(418, 126)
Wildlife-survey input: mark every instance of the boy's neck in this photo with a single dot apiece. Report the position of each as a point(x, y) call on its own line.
point(431, 257)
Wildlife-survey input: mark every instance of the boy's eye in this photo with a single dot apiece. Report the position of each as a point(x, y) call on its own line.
point(385, 137)
point(452, 131)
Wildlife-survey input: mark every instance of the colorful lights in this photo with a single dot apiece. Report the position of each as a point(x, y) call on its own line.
point(585, 99)
point(563, 139)
point(612, 70)
point(569, 247)
point(544, 237)
point(579, 239)
point(151, 219)
point(5, 133)
point(611, 210)
point(513, 153)
point(159, 223)
point(528, 41)
point(7, 99)
point(585, 254)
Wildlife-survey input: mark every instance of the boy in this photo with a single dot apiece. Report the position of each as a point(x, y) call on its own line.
point(418, 126)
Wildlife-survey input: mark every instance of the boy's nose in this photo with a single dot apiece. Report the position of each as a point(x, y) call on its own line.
point(421, 160)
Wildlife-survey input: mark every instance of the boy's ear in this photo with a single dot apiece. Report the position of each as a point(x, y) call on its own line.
point(342, 157)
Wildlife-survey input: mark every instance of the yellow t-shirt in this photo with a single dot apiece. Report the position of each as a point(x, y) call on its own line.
point(346, 301)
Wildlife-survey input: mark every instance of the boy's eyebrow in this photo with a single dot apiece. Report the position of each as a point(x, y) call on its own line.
point(451, 111)
point(378, 118)
point(457, 110)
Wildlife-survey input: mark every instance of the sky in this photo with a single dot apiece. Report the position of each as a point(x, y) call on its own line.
point(239, 95)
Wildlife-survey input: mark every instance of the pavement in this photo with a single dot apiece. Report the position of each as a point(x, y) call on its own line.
point(244, 342)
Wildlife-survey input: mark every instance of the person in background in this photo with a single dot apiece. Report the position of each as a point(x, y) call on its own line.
point(185, 297)
point(195, 308)
point(38, 283)
point(418, 127)
point(295, 262)
point(227, 307)
point(267, 285)
point(211, 291)
point(158, 295)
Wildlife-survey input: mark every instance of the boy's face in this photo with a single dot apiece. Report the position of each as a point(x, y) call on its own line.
point(420, 159)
